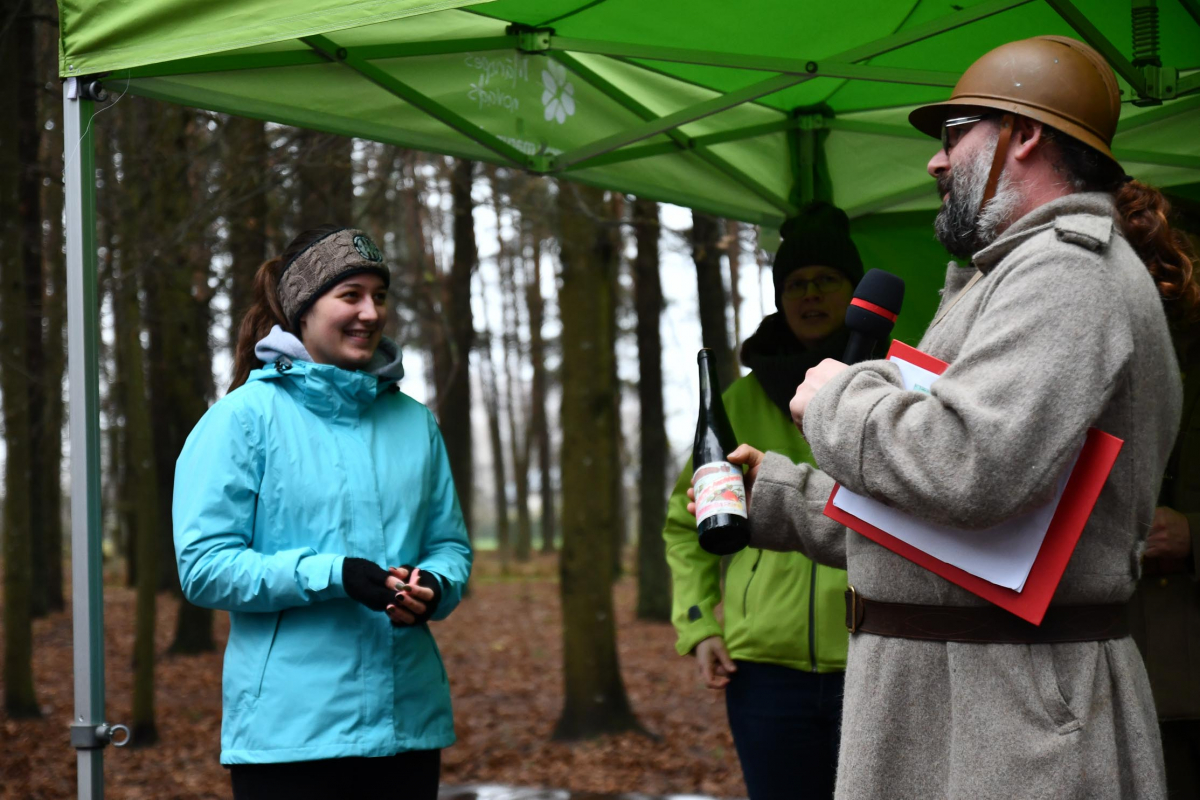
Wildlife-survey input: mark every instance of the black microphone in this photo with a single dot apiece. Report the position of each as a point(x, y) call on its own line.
point(872, 313)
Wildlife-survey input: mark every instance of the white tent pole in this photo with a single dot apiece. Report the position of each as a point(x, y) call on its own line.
point(89, 731)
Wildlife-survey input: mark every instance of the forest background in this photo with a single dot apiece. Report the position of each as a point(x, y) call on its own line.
point(189, 204)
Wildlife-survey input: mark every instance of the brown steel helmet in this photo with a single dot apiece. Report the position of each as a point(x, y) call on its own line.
point(1056, 80)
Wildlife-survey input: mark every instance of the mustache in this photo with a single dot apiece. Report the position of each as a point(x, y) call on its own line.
point(945, 184)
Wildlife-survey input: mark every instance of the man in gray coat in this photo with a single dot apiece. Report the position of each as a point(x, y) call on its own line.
point(1055, 325)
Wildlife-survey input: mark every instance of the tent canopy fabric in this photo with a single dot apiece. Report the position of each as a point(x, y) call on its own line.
point(743, 110)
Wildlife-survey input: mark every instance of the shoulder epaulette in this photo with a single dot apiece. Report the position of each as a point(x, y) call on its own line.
point(1089, 231)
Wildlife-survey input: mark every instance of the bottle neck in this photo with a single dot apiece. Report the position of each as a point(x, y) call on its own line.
point(708, 380)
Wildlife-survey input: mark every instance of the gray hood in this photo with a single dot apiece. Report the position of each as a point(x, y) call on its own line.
point(385, 364)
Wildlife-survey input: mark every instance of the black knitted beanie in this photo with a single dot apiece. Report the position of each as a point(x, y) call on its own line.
point(818, 236)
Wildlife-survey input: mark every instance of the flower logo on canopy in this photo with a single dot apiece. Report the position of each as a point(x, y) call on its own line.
point(559, 94)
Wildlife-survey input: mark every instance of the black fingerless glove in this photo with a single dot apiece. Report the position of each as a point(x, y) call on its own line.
point(426, 580)
point(366, 582)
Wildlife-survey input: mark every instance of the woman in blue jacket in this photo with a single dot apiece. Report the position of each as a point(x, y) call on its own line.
point(293, 494)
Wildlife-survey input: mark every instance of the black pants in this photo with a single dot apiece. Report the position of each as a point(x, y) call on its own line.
point(412, 775)
point(1181, 750)
point(786, 725)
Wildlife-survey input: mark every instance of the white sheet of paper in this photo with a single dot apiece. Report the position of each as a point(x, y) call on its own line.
point(1002, 555)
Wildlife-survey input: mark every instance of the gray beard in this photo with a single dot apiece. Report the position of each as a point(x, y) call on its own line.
point(960, 226)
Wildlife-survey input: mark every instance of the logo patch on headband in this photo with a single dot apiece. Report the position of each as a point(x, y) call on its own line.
point(367, 249)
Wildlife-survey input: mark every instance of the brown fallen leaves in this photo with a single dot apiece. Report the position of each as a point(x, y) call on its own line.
point(503, 652)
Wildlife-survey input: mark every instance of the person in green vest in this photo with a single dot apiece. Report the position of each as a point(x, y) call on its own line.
point(778, 648)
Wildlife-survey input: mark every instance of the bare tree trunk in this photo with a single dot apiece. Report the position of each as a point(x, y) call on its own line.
point(18, 125)
point(115, 221)
point(56, 362)
point(714, 331)
point(491, 401)
point(158, 242)
point(384, 217)
point(595, 701)
point(195, 388)
point(762, 261)
point(519, 444)
point(151, 148)
point(654, 583)
point(30, 199)
point(55, 276)
point(452, 360)
point(142, 511)
point(245, 165)
point(538, 419)
point(114, 204)
point(416, 251)
point(518, 433)
point(733, 249)
point(620, 529)
point(325, 179)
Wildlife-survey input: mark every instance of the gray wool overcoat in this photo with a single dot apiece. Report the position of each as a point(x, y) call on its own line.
point(1064, 331)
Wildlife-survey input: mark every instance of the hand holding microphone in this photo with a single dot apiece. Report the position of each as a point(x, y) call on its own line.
point(870, 318)
point(814, 379)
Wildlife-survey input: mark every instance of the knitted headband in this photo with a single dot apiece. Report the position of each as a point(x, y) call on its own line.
point(323, 264)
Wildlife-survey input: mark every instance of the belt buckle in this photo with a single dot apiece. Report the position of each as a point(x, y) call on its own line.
point(854, 607)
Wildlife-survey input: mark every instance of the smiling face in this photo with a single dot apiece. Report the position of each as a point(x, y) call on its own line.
point(814, 302)
point(344, 326)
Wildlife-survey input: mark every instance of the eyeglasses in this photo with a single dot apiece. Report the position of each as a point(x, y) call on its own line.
point(953, 130)
point(798, 287)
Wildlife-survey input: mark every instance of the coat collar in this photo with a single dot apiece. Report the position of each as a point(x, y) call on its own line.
point(1074, 216)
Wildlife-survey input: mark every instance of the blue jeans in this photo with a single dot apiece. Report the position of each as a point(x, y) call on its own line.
point(786, 725)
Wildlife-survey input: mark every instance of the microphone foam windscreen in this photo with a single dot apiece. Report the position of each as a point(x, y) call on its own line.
point(876, 304)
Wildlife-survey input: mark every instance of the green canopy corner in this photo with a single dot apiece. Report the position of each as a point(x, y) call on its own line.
point(726, 109)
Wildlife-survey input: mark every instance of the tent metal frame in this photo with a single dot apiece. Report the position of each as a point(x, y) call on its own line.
point(680, 140)
point(83, 362)
point(90, 731)
point(624, 146)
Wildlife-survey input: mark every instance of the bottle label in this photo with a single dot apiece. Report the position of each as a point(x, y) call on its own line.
point(719, 490)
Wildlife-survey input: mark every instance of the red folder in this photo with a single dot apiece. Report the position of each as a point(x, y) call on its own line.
point(1079, 498)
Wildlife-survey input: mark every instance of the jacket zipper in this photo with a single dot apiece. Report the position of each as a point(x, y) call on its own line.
point(812, 617)
point(753, 569)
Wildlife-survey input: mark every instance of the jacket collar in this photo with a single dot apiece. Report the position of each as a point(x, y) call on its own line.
point(325, 389)
point(779, 360)
point(1095, 204)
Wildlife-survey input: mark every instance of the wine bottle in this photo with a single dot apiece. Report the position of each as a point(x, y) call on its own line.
point(721, 519)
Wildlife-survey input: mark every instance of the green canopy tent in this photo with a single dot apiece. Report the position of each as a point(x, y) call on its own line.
point(743, 110)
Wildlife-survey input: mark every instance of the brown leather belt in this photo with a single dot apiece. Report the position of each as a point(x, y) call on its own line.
point(984, 624)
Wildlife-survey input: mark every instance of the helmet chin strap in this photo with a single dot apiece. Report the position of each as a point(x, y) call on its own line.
point(1007, 123)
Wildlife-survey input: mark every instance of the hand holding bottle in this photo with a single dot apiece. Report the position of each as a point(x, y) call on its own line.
point(743, 455)
point(722, 521)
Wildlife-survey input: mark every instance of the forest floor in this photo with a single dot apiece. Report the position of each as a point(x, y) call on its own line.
point(503, 652)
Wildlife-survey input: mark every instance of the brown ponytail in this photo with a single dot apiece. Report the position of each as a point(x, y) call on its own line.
point(1144, 211)
point(266, 311)
point(1166, 252)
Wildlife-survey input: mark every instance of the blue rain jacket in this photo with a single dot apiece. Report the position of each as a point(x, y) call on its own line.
point(279, 482)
